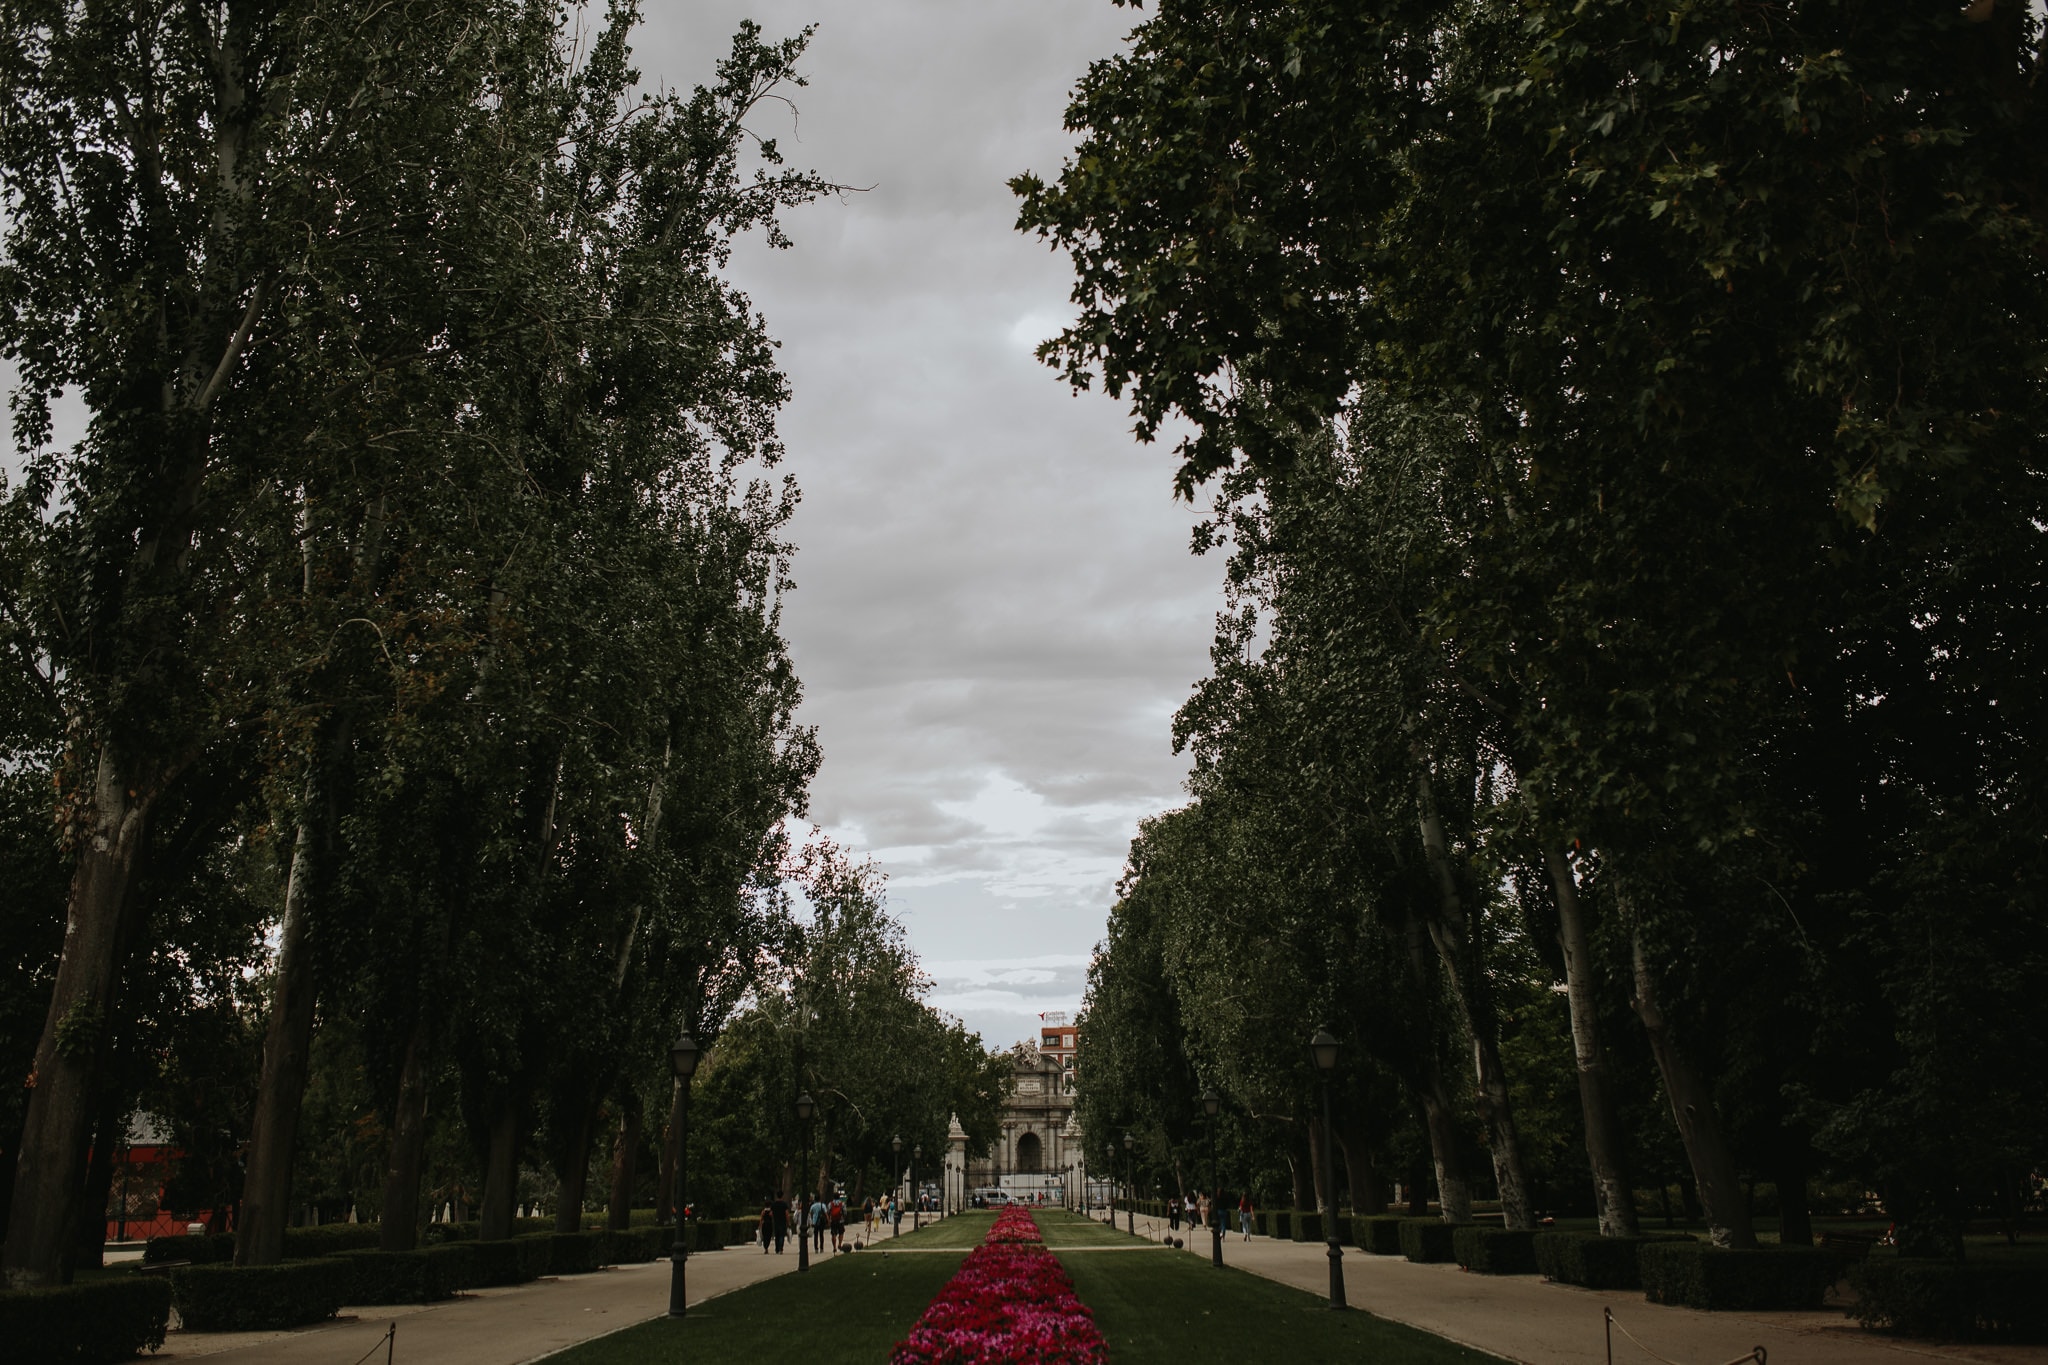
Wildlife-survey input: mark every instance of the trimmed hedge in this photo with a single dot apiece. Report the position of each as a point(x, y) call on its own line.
point(1378, 1234)
point(301, 1244)
point(231, 1298)
point(1591, 1261)
point(1307, 1227)
point(577, 1253)
point(637, 1246)
point(204, 1249)
point(400, 1276)
point(1975, 1300)
point(1494, 1251)
point(1701, 1276)
point(1282, 1221)
point(1427, 1239)
point(87, 1323)
point(512, 1260)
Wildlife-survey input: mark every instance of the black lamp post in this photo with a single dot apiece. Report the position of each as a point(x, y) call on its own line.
point(1212, 1103)
point(916, 1195)
point(896, 1150)
point(805, 1107)
point(1130, 1209)
point(1323, 1049)
point(682, 1060)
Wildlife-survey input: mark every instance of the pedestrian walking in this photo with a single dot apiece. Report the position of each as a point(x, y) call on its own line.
point(1205, 1211)
point(767, 1224)
point(781, 1207)
point(867, 1218)
point(1173, 1214)
point(818, 1223)
point(1244, 1216)
point(835, 1221)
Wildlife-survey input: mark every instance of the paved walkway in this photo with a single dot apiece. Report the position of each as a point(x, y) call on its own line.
point(490, 1326)
point(1527, 1319)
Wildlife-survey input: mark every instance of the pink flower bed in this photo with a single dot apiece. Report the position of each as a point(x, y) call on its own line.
point(1011, 1300)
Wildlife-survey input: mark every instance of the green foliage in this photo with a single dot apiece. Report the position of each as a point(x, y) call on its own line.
point(1378, 1234)
point(106, 1320)
point(577, 1253)
point(231, 1298)
point(512, 1260)
point(1428, 1239)
point(1305, 1226)
point(404, 1276)
point(207, 1249)
point(1495, 1251)
point(1697, 1275)
point(1591, 1261)
point(1976, 1300)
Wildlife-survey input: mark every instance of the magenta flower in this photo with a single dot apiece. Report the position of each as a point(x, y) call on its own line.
point(1011, 1300)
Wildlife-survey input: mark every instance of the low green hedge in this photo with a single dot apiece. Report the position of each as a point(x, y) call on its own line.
point(232, 1298)
point(301, 1244)
point(1378, 1234)
point(1283, 1223)
point(1427, 1239)
point(1591, 1261)
point(577, 1253)
point(113, 1319)
point(637, 1246)
point(1701, 1276)
point(1307, 1226)
point(512, 1260)
point(1494, 1251)
point(1975, 1300)
point(401, 1276)
point(204, 1249)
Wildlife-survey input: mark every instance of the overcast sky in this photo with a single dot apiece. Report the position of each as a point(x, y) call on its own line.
point(996, 611)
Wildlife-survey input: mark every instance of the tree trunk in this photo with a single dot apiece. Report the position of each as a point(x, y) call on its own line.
point(287, 1057)
point(1323, 1198)
point(1304, 1181)
point(1795, 1214)
point(574, 1176)
point(399, 1228)
point(1613, 1197)
point(501, 1174)
point(49, 1172)
point(1368, 1188)
point(91, 1246)
point(1692, 1106)
point(671, 1150)
point(1453, 1184)
point(625, 1155)
point(1452, 930)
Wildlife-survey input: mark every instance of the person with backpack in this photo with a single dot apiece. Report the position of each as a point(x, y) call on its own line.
point(835, 1221)
point(817, 1220)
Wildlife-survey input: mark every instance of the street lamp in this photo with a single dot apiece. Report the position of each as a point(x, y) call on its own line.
point(1211, 1104)
point(682, 1060)
point(805, 1107)
point(1323, 1049)
point(896, 1150)
point(1130, 1210)
point(916, 1195)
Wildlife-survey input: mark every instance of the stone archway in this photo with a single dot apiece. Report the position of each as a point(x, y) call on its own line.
point(1030, 1157)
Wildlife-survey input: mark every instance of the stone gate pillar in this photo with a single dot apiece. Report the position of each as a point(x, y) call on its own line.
point(953, 1189)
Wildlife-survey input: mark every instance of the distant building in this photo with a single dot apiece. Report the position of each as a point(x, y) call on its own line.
point(1037, 1153)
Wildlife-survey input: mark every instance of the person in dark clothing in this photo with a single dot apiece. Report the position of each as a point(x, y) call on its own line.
point(781, 1207)
point(767, 1228)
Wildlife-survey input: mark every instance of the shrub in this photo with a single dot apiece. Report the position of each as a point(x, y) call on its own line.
point(1282, 1220)
point(1591, 1261)
point(1308, 1227)
point(709, 1236)
point(1494, 1251)
point(637, 1246)
point(245, 1298)
point(1427, 1239)
point(508, 1261)
point(1701, 1276)
point(1379, 1234)
point(302, 1244)
point(1974, 1300)
point(399, 1276)
point(459, 1263)
point(112, 1319)
point(575, 1253)
point(205, 1249)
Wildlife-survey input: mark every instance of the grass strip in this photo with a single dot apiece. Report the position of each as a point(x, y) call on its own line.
point(1159, 1309)
point(846, 1308)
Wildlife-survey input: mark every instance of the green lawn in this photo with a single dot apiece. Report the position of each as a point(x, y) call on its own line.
point(846, 1308)
point(963, 1230)
point(1167, 1310)
point(1063, 1229)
